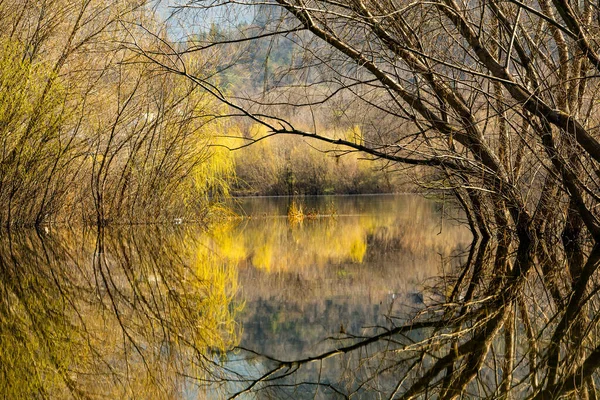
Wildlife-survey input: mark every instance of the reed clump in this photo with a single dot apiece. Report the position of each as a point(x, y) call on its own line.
point(295, 212)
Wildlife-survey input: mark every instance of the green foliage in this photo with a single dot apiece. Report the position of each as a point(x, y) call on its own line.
point(32, 132)
point(258, 63)
point(89, 132)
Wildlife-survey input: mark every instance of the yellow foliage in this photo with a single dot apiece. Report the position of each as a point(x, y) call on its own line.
point(291, 165)
point(354, 134)
point(126, 319)
point(295, 212)
point(258, 131)
point(92, 131)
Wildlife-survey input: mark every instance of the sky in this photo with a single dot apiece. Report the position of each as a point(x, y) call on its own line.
point(190, 20)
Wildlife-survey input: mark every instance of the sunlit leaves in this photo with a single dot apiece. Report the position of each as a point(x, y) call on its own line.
point(111, 314)
point(90, 131)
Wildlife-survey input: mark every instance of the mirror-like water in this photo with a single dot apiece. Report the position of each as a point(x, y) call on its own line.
point(305, 281)
point(151, 312)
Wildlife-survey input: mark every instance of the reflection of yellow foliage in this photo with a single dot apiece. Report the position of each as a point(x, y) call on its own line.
point(219, 285)
point(263, 256)
point(227, 242)
point(317, 241)
point(276, 245)
point(126, 322)
point(358, 249)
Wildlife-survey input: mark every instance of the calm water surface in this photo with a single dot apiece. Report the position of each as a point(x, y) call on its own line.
point(155, 312)
point(303, 282)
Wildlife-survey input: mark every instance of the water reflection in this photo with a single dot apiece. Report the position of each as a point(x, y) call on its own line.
point(156, 312)
point(309, 285)
point(114, 314)
point(487, 328)
point(304, 282)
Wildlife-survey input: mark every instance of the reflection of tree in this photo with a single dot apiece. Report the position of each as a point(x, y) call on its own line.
point(275, 245)
point(490, 334)
point(314, 287)
point(114, 314)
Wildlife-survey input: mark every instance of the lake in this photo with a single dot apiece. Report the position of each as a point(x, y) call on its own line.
point(185, 311)
point(303, 282)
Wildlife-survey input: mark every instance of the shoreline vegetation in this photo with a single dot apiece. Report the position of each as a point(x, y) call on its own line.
point(94, 131)
point(290, 166)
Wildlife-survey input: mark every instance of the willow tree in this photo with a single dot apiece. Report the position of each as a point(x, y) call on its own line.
point(90, 134)
point(499, 98)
